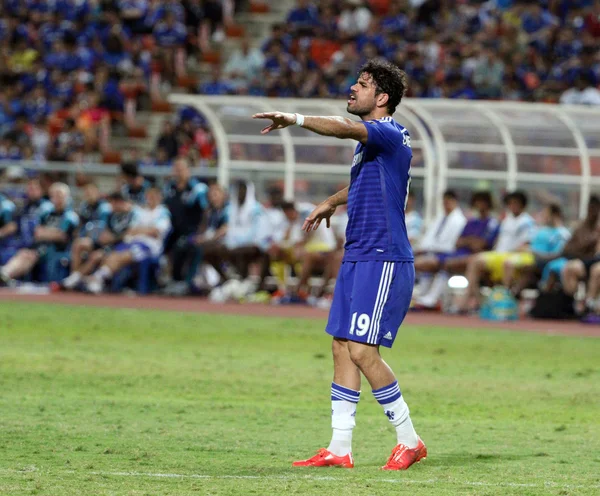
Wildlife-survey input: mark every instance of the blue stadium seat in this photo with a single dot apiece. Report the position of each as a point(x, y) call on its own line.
point(141, 276)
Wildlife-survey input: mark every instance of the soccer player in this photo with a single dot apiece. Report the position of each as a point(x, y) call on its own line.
point(375, 283)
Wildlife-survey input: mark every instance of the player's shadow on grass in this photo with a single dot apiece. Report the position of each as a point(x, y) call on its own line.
point(460, 459)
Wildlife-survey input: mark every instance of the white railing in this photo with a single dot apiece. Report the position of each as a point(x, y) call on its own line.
point(552, 152)
point(546, 150)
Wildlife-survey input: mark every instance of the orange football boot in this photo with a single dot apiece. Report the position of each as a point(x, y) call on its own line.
point(325, 458)
point(403, 456)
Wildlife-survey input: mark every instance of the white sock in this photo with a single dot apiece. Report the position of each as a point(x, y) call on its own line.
point(343, 418)
point(436, 290)
point(396, 410)
point(103, 273)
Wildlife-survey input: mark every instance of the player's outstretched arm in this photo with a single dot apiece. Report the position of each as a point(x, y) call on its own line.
point(338, 127)
point(325, 210)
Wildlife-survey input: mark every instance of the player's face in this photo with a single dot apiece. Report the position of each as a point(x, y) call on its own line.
point(514, 207)
point(216, 196)
point(181, 171)
point(153, 198)
point(362, 96)
point(481, 207)
point(59, 199)
point(449, 204)
point(34, 190)
point(91, 194)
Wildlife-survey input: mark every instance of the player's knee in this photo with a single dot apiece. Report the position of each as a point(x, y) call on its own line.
point(339, 349)
point(595, 271)
point(361, 354)
point(95, 256)
point(574, 268)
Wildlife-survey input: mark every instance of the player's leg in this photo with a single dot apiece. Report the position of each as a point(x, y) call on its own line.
point(19, 265)
point(510, 271)
point(477, 267)
point(571, 274)
point(81, 247)
point(593, 289)
point(438, 285)
point(377, 312)
point(117, 260)
point(345, 388)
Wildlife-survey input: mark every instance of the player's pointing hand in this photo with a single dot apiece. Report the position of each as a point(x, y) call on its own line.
point(280, 120)
point(324, 211)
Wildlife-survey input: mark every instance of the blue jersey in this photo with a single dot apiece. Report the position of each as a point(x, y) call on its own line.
point(379, 182)
point(7, 211)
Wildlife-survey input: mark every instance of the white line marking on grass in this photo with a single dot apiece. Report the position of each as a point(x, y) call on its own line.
point(299, 477)
point(545, 484)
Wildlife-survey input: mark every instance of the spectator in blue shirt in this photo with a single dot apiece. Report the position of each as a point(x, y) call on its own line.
point(170, 33)
point(216, 85)
point(304, 16)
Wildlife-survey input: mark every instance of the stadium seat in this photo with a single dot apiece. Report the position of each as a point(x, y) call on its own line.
point(141, 276)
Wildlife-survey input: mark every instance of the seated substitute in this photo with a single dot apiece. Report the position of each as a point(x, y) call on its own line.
point(312, 250)
point(118, 222)
point(547, 244)
point(439, 240)
point(515, 234)
point(187, 200)
point(54, 232)
point(8, 226)
point(143, 240)
point(478, 235)
point(209, 242)
point(134, 184)
point(93, 216)
point(579, 254)
point(413, 219)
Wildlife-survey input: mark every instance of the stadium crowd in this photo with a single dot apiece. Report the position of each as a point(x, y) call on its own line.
point(189, 236)
point(532, 50)
point(67, 67)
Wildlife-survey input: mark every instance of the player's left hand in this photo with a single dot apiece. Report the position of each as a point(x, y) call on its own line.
point(280, 120)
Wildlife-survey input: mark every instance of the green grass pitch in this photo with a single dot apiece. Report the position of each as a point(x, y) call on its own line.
point(129, 402)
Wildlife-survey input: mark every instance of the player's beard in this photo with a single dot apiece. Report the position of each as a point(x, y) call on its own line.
point(360, 110)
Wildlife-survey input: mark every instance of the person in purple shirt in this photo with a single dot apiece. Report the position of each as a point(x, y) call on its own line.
point(479, 234)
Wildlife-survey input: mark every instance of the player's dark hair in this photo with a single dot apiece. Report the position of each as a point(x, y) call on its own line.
point(483, 196)
point(594, 201)
point(555, 210)
point(116, 196)
point(129, 169)
point(451, 194)
point(387, 78)
point(520, 196)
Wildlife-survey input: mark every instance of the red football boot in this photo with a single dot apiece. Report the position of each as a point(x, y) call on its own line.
point(324, 458)
point(403, 456)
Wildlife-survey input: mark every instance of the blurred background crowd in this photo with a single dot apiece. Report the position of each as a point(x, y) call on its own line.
point(77, 73)
point(189, 236)
point(87, 81)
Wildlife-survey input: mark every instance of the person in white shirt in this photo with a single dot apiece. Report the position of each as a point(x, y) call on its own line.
point(144, 240)
point(516, 231)
point(440, 238)
point(413, 220)
point(354, 18)
point(583, 93)
point(244, 65)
